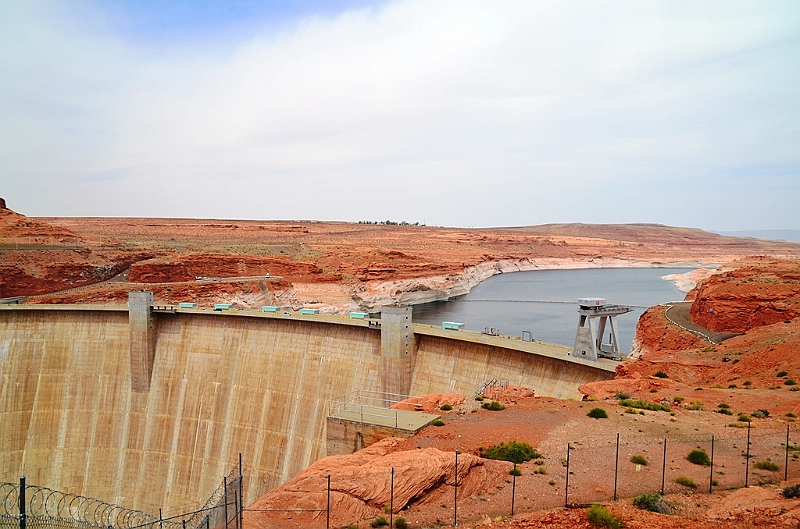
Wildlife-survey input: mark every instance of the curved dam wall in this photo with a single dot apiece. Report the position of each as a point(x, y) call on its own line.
point(221, 384)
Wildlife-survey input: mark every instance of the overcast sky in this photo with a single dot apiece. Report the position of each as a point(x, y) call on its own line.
point(451, 113)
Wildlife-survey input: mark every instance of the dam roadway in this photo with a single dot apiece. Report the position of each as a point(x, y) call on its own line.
point(82, 413)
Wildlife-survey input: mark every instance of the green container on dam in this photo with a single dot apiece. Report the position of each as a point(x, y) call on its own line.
point(309, 312)
point(358, 315)
point(222, 306)
point(269, 308)
point(451, 325)
point(186, 305)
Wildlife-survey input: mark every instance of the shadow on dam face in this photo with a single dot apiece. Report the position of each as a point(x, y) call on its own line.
point(221, 383)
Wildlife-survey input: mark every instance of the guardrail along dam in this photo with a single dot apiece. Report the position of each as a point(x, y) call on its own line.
point(149, 407)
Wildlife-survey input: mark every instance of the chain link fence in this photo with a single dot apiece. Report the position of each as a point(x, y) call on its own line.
point(24, 506)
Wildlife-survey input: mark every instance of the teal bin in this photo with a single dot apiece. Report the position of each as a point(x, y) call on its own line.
point(269, 308)
point(222, 306)
point(358, 315)
point(309, 312)
point(186, 305)
point(451, 325)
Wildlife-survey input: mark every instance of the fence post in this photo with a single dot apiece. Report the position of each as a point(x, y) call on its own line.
point(616, 468)
point(747, 459)
point(664, 467)
point(23, 511)
point(391, 503)
point(566, 485)
point(455, 493)
point(711, 473)
point(241, 494)
point(513, 486)
point(786, 457)
point(183, 522)
point(328, 510)
point(225, 498)
point(160, 519)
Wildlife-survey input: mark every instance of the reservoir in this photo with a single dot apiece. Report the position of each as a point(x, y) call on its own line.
point(545, 302)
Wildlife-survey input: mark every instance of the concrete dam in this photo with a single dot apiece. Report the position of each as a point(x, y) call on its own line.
point(148, 407)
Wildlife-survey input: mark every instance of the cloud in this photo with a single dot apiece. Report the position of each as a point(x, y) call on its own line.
point(459, 113)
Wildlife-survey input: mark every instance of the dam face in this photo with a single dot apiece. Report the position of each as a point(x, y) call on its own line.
point(76, 415)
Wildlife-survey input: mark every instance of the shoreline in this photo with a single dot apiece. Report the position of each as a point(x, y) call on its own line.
point(370, 297)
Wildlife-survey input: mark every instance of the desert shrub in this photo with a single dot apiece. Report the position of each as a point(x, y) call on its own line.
point(512, 451)
point(660, 374)
point(515, 472)
point(493, 406)
point(686, 482)
point(699, 457)
point(724, 411)
point(438, 422)
point(639, 460)
point(552, 482)
point(792, 491)
point(479, 398)
point(724, 405)
point(747, 383)
point(380, 521)
point(677, 399)
point(760, 414)
point(743, 417)
point(767, 464)
point(695, 406)
point(630, 410)
point(351, 526)
point(643, 405)
point(621, 395)
point(652, 502)
point(445, 407)
point(600, 516)
point(782, 373)
point(794, 388)
point(541, 469)
point(790, 382)
point(792, 415)
point(400, 523)
point(597, 413)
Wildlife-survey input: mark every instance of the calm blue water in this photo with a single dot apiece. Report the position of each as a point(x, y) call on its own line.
point(545, 302)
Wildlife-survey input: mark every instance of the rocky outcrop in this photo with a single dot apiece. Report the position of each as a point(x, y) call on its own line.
point(757, 291)
point(361, 484)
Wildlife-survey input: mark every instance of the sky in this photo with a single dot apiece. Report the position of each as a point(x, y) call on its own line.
point(452, 113)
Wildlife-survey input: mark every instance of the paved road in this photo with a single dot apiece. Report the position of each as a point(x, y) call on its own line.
point(678, 314)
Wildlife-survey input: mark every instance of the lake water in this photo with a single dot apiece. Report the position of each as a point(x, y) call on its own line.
point(545, 302)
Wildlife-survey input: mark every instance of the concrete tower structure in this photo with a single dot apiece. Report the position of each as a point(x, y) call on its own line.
point(594, 315)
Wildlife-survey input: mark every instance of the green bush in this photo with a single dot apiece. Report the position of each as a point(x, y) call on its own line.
point(515, 472)
point(686, 482)
point(724, 411)
point(790, 382)
point(677, 399)
point(699, 457)
point(445, 407)
point(597, 413)
point(723, 405)
point(493, 406)
point(437, 422)
point(600, 516)
point(541, 469)
point(380, 521)
point(639, 460)
point(743, 417)
point(621, 395)
point(512, 451)
point(792, 415)
point(652, 502)
point(782, 373)
point(767, 464)
point(643, 405)
point(760, 414)
point(792, 491)
point(660, 374)
point(695, 406)
point(351, 526)
point(400, 523)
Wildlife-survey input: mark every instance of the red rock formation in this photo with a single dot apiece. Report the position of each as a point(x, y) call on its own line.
point(361, 484)
point(757, 291)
